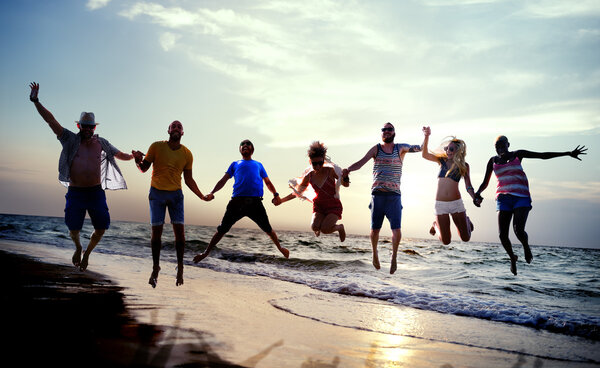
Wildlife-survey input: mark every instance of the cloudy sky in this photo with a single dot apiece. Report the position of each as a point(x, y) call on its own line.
point(285, 73)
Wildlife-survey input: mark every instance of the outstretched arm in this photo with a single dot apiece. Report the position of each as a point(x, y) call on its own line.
point(220, 184)
point(486, 180)
point(548, 155)
point(124, 156)
point(360, 163)
point(468, 184)
point(191, 183)
point(45, 114)
point(291, 196)
point(425, 152)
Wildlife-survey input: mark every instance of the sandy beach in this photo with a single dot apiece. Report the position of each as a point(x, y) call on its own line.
point(56, 314)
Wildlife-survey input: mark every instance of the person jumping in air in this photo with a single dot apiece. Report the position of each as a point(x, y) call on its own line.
point(322, 178)
point(512, 193)
point(447, 199)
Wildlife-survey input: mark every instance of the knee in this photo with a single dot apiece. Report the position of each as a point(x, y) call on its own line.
point(315, 227)
point(98, 233)
point(446, 240)
point(465, 237)
point(504, 238)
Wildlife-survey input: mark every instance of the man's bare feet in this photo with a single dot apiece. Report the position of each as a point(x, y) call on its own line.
point(513, 264)
point(76, 257)
point(84, 262)
point(528, 255)
point(285, 252)
point(200, 257)
point(393, 267)
point(376, 261)
point(432, 230)
point(342, 233)
point(179, 276)
point(154, 276)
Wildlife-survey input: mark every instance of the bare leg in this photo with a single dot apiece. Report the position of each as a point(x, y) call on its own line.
point(74, 234)
point(179, 231)
point(396, 237)
point(504, 218)
point(463, 225)
point(443, 225)
point(155, 242)
point(214, 241)
point(519, 227)
point(374, 241)
point(94, 239)
point(284, 251)
point(315, 224)
point(329, 225)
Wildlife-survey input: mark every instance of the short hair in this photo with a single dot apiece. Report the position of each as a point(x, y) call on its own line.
point(317, 149)
point(501, 138)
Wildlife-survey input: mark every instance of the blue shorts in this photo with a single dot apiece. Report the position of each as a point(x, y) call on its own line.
point(90, 199)
point(386, 204)
point(509, 202)
point(160, 200)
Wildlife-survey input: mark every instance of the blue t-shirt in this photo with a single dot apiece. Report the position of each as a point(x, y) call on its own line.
point(248, 175)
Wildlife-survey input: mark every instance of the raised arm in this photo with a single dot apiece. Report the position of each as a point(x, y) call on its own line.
point(45, 114)
point(548, 155)
point(486, 180)
point(191, 183)
point(425, 148)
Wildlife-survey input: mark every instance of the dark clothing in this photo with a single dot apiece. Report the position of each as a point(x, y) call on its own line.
point(240, 207)
point(90, 199)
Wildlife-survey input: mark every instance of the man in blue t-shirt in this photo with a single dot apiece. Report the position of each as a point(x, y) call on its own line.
point(246, 199)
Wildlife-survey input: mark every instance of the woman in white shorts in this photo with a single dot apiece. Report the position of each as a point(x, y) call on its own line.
point(447, 200)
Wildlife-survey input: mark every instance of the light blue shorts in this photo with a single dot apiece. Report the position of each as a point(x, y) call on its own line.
point(160, 201)
point(508, 202)
point(386, 204)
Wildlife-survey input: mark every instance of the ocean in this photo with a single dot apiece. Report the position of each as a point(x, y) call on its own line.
point(555, 301)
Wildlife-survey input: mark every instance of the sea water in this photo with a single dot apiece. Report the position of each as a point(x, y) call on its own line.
point(557, 297)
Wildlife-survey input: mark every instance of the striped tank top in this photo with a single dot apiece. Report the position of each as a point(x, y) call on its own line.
point(387, 170)
point(511, 179)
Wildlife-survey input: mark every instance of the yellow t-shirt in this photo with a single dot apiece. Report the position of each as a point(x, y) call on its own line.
point(167, 165)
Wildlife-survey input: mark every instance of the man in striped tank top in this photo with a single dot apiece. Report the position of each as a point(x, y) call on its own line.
point(385, 191)
point(512, 192)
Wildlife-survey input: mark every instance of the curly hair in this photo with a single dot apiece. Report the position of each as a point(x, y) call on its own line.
point(317, 149)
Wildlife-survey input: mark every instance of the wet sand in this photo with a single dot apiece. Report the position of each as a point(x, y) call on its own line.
point(55, 314)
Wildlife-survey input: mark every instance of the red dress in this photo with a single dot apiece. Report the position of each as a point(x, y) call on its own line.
point(325, 202)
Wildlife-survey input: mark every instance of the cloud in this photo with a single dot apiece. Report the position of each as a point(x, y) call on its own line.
point(561, 9)
point(168, 40)
point(97, 4)
point(584, 191)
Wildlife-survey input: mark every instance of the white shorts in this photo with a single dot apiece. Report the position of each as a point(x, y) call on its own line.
point(445, 208)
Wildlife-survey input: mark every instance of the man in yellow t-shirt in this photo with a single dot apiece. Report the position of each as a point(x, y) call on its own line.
point(169, 159)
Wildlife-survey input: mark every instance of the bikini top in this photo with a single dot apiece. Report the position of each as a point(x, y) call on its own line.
point(454, 174)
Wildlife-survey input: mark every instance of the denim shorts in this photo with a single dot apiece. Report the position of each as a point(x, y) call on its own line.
point(160, 201)
point(386, 204)
point(509, 202)
point(92, 200)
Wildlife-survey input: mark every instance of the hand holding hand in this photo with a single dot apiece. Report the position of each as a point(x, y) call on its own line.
point(33, 95)
point(477, 200)
point(138, 156)
point(427, 131)
point(209, 197)
point(276, 201)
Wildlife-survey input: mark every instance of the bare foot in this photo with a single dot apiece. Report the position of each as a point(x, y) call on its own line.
point(285, 252)
point(393, 267)
point(513, 265)
point(179, 276)
point(528, 255)
point(84, 262)
point(200, 257)
point(432, 230)
point(317, 233)
point(342, 233)
point(154, 276)
point(77, 257)
point(376, 261)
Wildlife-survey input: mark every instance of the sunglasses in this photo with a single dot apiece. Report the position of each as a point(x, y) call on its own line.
point(245, 144)
point(387, 129)
point(317, 163)
point(449, 149)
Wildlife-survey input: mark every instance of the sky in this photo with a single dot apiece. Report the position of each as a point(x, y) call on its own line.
point(286, 73)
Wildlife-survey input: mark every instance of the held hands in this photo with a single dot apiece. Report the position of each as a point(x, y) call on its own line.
point(138, 156)
point(345, 176)
point(33, 95)
point(578, 151)
point(477, 200)
point(427, 131)
point(276, 201)
point(209, 197)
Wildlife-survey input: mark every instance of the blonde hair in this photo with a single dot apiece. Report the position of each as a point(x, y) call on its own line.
point(458, 160)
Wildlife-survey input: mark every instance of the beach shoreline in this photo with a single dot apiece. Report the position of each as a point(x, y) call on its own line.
point(215, 319)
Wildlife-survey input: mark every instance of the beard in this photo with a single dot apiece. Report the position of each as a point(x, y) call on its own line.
point(389, 139)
